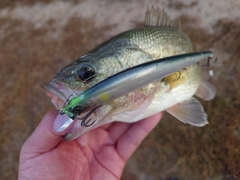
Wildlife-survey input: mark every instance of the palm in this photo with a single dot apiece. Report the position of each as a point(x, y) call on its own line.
point(99, 154)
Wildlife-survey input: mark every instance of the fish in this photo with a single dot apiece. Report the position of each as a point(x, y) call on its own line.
point(160, 37)
point(129, 80)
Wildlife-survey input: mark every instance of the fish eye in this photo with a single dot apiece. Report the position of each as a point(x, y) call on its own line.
point(86, 73)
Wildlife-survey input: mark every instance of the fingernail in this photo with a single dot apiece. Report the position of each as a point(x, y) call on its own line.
point(62, 122)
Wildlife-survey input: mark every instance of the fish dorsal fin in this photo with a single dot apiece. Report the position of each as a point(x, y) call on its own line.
point(158, 17)
point(206, 91)
point(189, 112)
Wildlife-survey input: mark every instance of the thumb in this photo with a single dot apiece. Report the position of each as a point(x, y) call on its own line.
point(43, 138)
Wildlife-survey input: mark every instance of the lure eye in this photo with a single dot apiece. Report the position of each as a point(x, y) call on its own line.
point(86, 73)
point(77, 109)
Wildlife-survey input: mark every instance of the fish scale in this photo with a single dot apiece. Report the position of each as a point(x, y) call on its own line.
point(137, 50)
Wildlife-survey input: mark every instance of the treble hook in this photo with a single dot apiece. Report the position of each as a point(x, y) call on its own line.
point(184, 69)
point(208, 62)
point(178, 76)
point(84, 123)
point(210, 73)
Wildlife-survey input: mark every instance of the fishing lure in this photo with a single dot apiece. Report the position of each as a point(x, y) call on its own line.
point(127, 81)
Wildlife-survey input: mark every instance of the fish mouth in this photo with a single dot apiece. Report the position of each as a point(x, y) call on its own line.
point(60, 94)
point(58, 97)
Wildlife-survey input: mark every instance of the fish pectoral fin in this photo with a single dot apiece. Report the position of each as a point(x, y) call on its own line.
point(206, 91)
point(190, 112)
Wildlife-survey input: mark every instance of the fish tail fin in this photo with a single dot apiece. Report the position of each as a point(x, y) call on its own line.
point(158, 17)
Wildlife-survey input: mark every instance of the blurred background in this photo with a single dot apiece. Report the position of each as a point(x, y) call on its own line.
point(39, 37)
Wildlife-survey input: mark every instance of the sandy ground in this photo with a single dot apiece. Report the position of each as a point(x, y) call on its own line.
point(38, 38)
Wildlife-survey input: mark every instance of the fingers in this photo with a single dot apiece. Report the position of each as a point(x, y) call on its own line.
point(43, 138)
point(118, 129)
point(132, 138)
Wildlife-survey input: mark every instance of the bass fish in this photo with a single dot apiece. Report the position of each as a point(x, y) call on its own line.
point(159, 38)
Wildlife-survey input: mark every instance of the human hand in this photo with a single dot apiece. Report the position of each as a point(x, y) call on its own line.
point(99, 154)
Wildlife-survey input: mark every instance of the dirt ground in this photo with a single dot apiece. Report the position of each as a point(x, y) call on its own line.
point(33, 48)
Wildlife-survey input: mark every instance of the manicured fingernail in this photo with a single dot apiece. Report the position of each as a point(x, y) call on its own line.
point(62, 122)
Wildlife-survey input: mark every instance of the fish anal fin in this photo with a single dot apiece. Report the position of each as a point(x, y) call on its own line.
point(189, 112)
point(206, 91)
point(158, 17)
